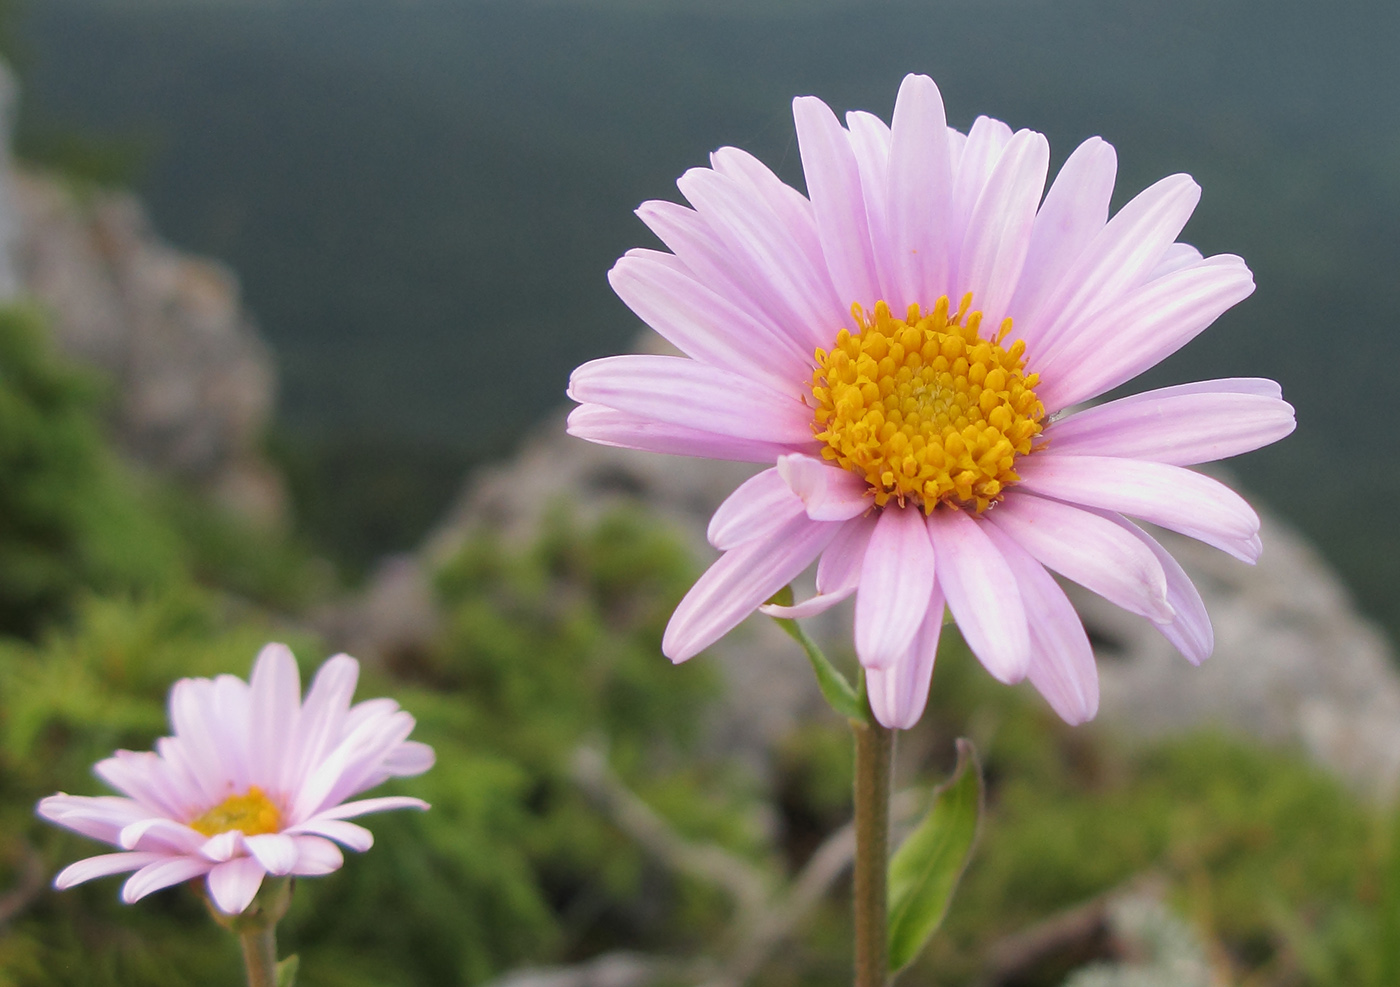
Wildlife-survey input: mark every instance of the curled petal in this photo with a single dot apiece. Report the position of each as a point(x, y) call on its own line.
point(829, 493)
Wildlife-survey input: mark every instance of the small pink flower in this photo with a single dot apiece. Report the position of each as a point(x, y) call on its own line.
point(900, 347)
point(254, 782)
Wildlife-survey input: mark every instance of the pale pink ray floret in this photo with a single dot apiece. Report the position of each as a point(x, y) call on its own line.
point(758, 282)
point(246, 756)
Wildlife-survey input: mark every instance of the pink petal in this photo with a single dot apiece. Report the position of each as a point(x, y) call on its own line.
point(1062, 661)
point(829, 493)
point(161, 836)
point(1175, 428)
point(982, 593)
point(740, 582)
point(385, 803)
point(757, 507)
point(917, 207)
point(1178, 256)
point(771, 248)
point(316, 856)
point(986, 140)
point(275, 713)
point(233, 885)
point(809, 607)
point(999, 232)
point(833, 182)
point(101, 818)
point(870, 143)
point(103, 866)
point(162, 873)
point(1120, 257)
point(680, 391)
point(194, 716)
point(222, 846)
point(690, 238)
point(898, 694)
point(408, 759)
point(838, 572)
point(323, 717)
point(1169, 496)
point(1190, 633)
point(354, 765)
point(139, 775)
point(1087, 548)
point(702, 324)
point(839, 569)
point(1138, 331)
point(896, 584)
point(609, 427)
point(354, 836)
point(1075, 209)
point(276, 853)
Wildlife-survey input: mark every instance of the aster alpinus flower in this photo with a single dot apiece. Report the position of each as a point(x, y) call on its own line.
point(900, 347)
point(254, 782)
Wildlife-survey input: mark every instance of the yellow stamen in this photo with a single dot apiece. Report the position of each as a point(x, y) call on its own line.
point(924, 408)
point(252, 812)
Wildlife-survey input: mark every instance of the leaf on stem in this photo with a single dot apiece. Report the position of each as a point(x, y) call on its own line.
point(834, 686)
point(287, 971)
point(925, 869)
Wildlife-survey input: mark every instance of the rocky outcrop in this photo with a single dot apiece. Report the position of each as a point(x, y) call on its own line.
point(194, 383)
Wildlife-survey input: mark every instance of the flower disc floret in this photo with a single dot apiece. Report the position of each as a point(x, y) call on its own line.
point(924, 408)
point(251, 813)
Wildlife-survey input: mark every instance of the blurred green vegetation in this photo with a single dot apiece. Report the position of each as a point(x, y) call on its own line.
point(546, 647)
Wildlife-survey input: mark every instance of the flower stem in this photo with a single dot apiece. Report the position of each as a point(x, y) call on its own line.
point(260, 954)
point(874, 758)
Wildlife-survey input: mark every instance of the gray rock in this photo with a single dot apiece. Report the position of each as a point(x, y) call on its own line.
point(195, 384)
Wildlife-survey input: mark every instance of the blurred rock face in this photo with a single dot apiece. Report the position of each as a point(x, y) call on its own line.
point(195, 384)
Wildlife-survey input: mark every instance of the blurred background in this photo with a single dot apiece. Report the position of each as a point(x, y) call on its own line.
point(299, 286)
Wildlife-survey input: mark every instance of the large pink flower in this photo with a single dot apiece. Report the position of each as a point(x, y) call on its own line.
point(254, 782)
point(900, 346)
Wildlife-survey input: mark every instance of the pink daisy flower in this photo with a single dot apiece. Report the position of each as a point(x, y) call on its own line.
point(254, 782)
point(901, 346)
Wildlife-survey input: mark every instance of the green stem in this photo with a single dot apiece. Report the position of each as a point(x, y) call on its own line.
point(260, 954)
point(874, 758)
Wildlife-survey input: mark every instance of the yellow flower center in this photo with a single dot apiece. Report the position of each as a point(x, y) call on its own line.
point(252, 812)
point(924, 408)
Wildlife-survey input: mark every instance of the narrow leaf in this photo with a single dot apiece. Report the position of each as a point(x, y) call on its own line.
point(926, 868)
point(287, 971)
point(836, 689)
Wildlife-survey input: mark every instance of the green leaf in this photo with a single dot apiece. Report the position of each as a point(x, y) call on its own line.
point(834, 686)
point(926, 868)
point(287, 971)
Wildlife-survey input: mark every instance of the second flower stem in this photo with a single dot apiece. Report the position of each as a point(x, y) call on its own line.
point(260, 955)
point(874, 758)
